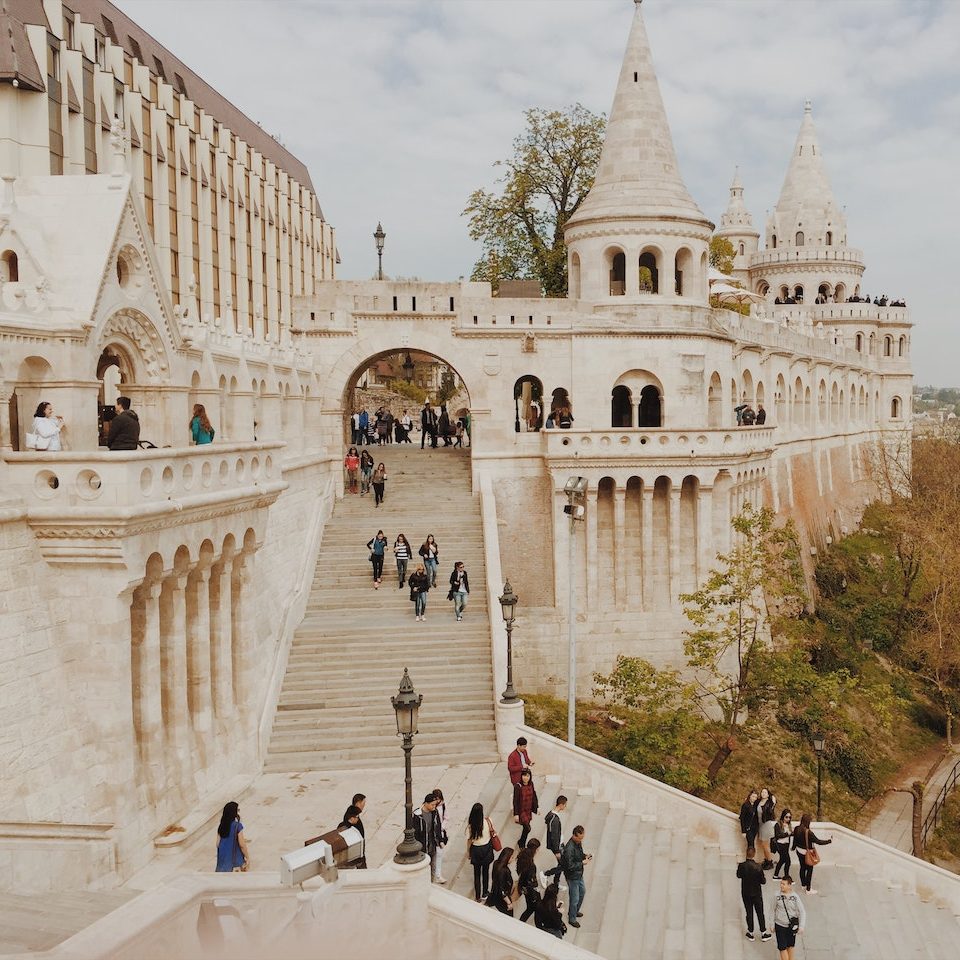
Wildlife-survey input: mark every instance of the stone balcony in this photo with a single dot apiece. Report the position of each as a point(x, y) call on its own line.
point(84, 506)
point(657, 445)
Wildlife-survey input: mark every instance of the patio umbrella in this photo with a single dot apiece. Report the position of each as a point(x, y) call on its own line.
point(737, 294)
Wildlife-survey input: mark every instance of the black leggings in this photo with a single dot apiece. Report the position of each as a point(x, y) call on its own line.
point(378, 566)
point(806, 873)
point(481, 879)
point(524, 833)
point(784, 851)
point(532, 896)
point(378, 493)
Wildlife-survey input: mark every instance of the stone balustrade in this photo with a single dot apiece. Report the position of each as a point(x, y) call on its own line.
point(657, 444)
point(806, 254)
point(124, 484)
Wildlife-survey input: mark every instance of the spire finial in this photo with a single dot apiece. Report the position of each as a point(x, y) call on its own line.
point(808, 105)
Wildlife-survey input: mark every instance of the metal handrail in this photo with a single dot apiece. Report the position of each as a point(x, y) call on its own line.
point(933, 817)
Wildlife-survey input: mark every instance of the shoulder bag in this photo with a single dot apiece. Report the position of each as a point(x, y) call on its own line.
point(792, 922)
point(811, 858)
point(494, 837)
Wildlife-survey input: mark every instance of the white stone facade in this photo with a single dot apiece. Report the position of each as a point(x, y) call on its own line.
point(148, 597)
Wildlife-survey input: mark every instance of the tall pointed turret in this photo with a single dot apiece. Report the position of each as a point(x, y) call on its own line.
point(736, 225)
point(639, 204)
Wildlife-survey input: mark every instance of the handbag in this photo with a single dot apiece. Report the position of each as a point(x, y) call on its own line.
point(494, 837)
point(792, 922)
point(34, 441)
point(811, 858)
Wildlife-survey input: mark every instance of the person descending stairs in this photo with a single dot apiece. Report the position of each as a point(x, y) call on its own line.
point(348, 654)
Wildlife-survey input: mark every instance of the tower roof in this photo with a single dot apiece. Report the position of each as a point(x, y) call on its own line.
point(805, 186)
point(638, 176)
point(736, 218)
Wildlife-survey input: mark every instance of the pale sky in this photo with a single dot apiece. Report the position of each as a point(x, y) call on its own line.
point(400, 107)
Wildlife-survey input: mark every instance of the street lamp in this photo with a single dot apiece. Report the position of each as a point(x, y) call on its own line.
point(575, 488)
point(508, 603)
point(408, 368)
point(818, 745)
point(379, 236)
point(406, 705)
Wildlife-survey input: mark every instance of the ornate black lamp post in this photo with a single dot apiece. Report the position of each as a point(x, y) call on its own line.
point(379, 236)
point(818, 745)
point(406, 705)
point(508, 603)
point(409, 368)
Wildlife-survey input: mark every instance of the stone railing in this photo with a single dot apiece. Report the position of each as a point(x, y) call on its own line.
point(138, 481)
point(809, 254)
point(658, 444)
point(363, 914)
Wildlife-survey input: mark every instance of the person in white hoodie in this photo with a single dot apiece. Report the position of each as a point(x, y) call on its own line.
point(47, 428)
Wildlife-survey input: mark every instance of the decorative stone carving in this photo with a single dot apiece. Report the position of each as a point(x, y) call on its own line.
point(142, 334)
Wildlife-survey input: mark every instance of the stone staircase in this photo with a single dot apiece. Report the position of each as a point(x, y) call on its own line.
point(655, 892)
point(349, 652)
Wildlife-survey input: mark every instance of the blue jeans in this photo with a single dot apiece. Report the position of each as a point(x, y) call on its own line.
point(459, 602)
point(578, 890)
point(431, 568)
point(420, 605)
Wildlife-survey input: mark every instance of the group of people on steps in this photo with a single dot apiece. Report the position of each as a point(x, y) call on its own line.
point(776, 834)
point(362, 475)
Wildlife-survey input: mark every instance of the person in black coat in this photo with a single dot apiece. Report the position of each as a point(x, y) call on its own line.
point(547, 915)
point(459, 589)
point(428, 425)
point(750, 818)
point(444, 426)
point(124, 428)
point(752, 878)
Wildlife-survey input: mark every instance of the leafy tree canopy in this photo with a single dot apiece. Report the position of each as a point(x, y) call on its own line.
point(520, 224)
point(721, 254)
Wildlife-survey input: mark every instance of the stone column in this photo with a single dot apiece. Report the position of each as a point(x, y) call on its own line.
point(620, 557)
point(243, 634)
point(593, 582)
point(198, 653)
point(646, 532)
point(674, 543)
point(705, 544)
point(176, 666)
point(221, 637)
point(147, 684)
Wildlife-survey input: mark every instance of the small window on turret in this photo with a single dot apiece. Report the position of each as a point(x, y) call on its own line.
point(773, 241)
point(829, 238)
point(636, 77)
point(799, 238)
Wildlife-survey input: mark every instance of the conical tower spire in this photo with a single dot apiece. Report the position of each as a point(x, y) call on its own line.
point(806, 190)
point(737, 217)
point(638, 174)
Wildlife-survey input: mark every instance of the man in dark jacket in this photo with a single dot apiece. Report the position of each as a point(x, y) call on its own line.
point(761, 415)
point(428, 425)
point(572, 860)
point(427, 828)
point(752, 878)
point(124, 428)
point(554, 827)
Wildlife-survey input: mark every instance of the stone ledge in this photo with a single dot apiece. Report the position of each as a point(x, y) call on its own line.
point(186, 829)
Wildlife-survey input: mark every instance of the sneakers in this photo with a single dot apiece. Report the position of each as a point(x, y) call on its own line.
point(750, 936)
point(440, 879)
point(459, 619)
point(766, 935)
point(811, 893)
point(573, 923)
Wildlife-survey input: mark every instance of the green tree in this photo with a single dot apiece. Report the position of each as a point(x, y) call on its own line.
point(520, 225)
point(448, 386)
point(721, 254)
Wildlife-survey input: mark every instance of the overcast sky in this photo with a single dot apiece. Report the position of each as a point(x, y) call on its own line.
point(400, 107)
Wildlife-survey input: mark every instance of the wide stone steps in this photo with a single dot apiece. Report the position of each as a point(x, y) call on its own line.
point(349, 652)
point(656, 892)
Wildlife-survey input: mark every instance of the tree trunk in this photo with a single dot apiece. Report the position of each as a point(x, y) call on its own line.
point(720, 758)
point(949, 729)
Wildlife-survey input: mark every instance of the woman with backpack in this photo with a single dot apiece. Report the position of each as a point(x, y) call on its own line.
point(805, 843)
point(378, 548)
point(480, 834)
point(419, 586)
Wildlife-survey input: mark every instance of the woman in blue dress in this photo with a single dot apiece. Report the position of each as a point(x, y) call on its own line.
point(232, 854)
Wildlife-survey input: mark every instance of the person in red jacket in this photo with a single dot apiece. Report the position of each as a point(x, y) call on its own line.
point(525, 805)
point(518, 761)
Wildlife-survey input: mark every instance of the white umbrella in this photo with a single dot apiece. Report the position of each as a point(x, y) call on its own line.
point(713, 275)
point(727, 292)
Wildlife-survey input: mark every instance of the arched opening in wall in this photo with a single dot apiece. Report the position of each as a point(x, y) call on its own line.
point(683, 270)
point(561, 409)
point(617, 271)
point(715, 403)
point(784, 292)
point(823, 292)
point(829, 238)
point(574, 276)
point(798, 239)
point(863, 404)
point(822, 401)
point(876, 406)
point(807, 407)
point(840, 293)
point(773, 242)
point(856, 291)
point(888, 346)
point(797, 402)
point(689, 540)
point(651, 407)
point(527, 404)
point(873, 345)
point(835, 403)
point(621, 407)
point(858, 343)
point(9, 267)
point(902, 347)
point(896, 408)
point(393, 387)
point(660, 561)
point(763, 288)
point(853, 405)
point(704, 282)
point(114, 371)
point(131, 273)
point(746, 388)
point(283, 389)
point(649, 272)
point(741, 249)
point(780, 399)
point(225, 411)
point(761, 398)
point(798, 293)
point(606, 553)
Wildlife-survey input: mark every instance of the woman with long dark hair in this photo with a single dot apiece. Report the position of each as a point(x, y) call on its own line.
point(379, 478)
point(749, 821)
point(200, 427)
point(548, 916)
point(804, 841)
point(781, 843)
point(503, 888)
point(351, 463)
point(419, 587)
point(431, 557)
point(232, 853)
point(366, 472)
point(480, 850)
point(767, 817)
point(378, 548)
point(527, 878)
